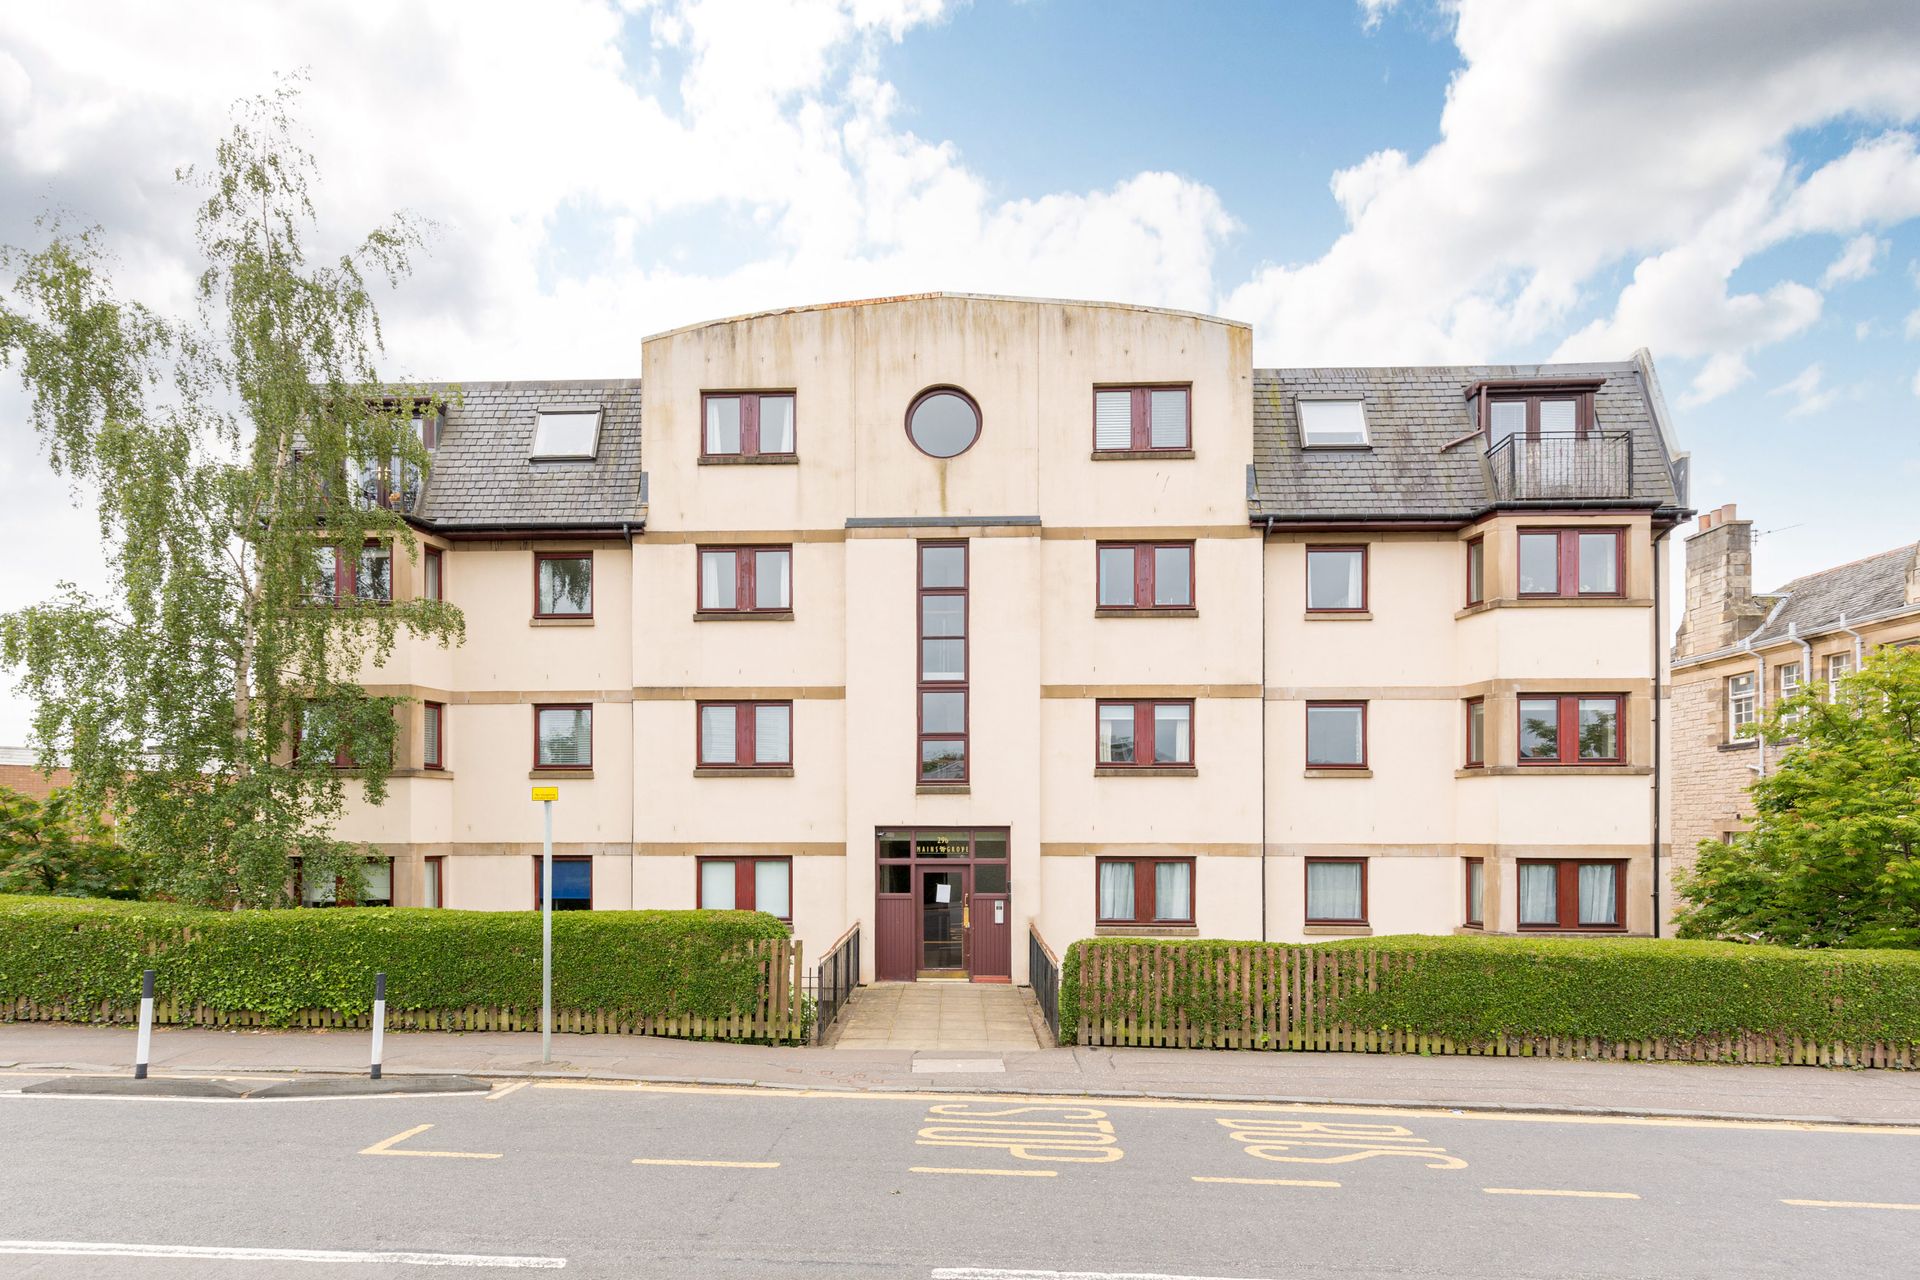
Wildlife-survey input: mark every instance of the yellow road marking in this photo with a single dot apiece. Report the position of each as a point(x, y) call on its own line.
point(1554, 1191)
point(1270, 1182)
point(1851, 1204)
point(992, 1173)
point(718, 1164)
point(502, 1090)
point(385, 1147)
point(1178, 1104)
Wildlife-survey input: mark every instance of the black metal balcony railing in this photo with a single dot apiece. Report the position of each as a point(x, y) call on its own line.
point(1565, 464)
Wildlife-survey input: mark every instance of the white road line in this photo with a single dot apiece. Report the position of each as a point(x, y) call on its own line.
point(88, 1249)
point(989, 1273)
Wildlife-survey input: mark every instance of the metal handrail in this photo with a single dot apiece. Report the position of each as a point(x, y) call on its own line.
point(834, 979)
point(1043, 974)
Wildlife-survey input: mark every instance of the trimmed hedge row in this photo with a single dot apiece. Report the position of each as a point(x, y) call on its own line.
point(88, 954)
point(1476, 990)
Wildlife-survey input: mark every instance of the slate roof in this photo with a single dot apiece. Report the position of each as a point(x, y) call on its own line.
point(481, 477)
point(1412, 413)
point(1859, 590)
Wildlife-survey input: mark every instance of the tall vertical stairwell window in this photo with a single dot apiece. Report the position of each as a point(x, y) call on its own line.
point(942, 685)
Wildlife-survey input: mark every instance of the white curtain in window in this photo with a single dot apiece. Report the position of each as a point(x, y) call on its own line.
point(1172, 891)
point(776, 424)
point(1335, 579)
point(432, 895)
point(1539, 894)
point(717, 580)
point(723, 425)
point(1116, 891)
point(772, 735)
point(771, 891)
point(1173, 575)
point(1597, 905)
point(377, 876)
point(1173, 734)
point(1333, 891)
point(1113, 419)
point(717, 734)
point(1477, 891)
point(772, 580)
point(1167, 424)
point(716, 886)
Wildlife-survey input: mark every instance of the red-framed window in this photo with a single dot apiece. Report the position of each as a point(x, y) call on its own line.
point(433, 881)
point(433, 735)
point(1144, 575)
point(376, 889)
point(745, 579)
point(747, 424)
point(1135, 735)
point(1336, 579)
point(563, 735)
point(943, 658)
point(572, 882)
point(744, 735)
point(1336, 890)
point(1571, 728)
point(1143, 890)
point(315, 726)
point(1476, 906)
point(1573, 562)
point(563, 584)
point(1336, 735)
point(1142, 419)
point(367, 577)
point(436, 575)
point(1566, 894)
point(1476, 570)
point(747, 884)
point(1545, 411)
point(1476, 716)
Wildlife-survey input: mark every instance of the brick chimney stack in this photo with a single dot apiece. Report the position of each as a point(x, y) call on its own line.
point(1721, 608)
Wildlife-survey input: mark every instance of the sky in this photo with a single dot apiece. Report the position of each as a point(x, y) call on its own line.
point(1732, 184)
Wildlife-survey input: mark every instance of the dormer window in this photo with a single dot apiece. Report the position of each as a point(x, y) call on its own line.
point(1334, 423)
point(1533, 410)
point(568, 433)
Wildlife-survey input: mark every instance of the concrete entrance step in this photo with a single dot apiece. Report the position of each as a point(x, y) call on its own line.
point(980, 1017)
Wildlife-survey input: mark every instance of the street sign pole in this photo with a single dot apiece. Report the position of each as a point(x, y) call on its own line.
point(546, 936)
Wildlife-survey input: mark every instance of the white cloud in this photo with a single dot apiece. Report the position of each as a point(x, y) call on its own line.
point(1913, 324)
point(1581, 136)
point(1916, 382)
point(1856, 260)
point(1809, 396)
point(1373, 11)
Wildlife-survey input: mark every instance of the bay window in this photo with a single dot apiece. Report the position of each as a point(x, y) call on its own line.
point(1476, 892)
point(746, 579)
point(745, 735)
point(1572, 895)
point(1476, 732)
point(1572, 728)
point(433, 716)
point(1476, 570)
point(1142, 419)
point(1572, 562)
point(1144, 890)
point(1143, 734)
point(1144, 575)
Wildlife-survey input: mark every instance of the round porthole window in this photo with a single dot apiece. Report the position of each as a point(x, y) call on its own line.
point(943, 422)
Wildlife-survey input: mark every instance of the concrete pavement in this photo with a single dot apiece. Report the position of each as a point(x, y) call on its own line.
point(608, 1179)
point(1807, 1093)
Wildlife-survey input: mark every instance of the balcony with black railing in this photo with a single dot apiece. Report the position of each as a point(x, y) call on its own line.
point(1562, 465)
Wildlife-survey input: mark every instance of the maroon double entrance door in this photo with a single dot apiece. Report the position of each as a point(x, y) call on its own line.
point(941, 906)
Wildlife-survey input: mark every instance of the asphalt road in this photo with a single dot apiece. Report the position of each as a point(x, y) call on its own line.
point(656, 1181)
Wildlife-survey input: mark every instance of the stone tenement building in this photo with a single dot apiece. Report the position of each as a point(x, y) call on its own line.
point(1739, 652)
point(952, 617)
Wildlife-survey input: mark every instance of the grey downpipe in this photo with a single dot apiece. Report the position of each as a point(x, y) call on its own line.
point(1859, 644)
point(1659, 667)
point(1263, 727)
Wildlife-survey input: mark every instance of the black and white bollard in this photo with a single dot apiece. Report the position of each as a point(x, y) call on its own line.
point(379, 1018)
point(143, 1046)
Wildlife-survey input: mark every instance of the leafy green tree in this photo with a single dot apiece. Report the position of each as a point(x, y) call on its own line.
point(1833, 856)
point(207, 694)
point(52, 846)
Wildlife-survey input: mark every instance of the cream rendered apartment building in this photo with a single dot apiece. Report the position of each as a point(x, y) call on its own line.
point(954, 617)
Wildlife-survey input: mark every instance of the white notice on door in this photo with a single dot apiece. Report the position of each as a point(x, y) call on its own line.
point(943, 893)
point(999, 913)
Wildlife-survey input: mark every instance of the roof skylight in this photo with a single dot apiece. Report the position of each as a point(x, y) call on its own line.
point(566, 433)
point(1332, 423)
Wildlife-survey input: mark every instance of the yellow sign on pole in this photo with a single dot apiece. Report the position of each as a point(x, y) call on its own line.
point(546, 793)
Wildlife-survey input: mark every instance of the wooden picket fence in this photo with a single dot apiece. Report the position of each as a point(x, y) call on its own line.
point(1279, 998)
point(778, 1016)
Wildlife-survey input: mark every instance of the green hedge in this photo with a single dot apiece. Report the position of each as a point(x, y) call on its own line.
point(626, 964)
point(1474, 990)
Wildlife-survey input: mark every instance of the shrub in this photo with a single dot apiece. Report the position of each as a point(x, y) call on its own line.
point(1475, 990)
point(87, 954)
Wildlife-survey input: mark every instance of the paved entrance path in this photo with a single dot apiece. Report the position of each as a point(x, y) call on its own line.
point(988, 1016)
